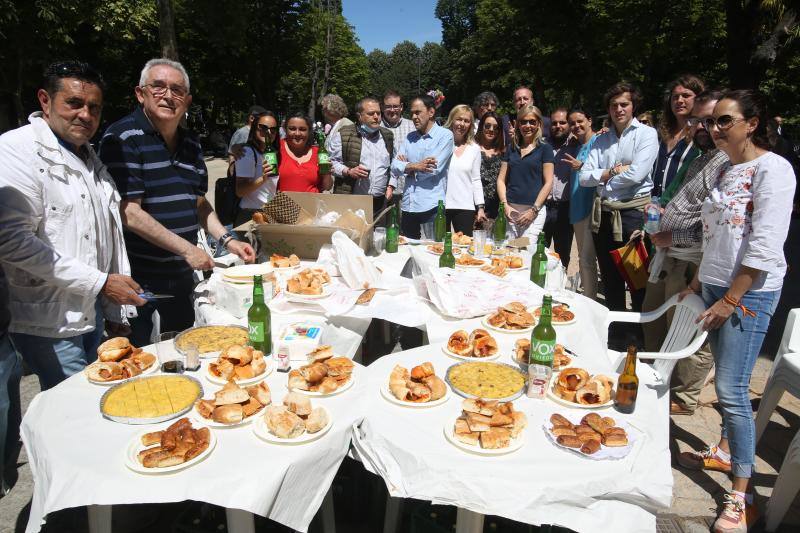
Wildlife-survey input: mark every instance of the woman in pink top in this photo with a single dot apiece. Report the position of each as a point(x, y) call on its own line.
point(298, 168)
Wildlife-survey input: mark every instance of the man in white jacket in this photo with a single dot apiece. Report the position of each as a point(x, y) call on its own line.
point(61, 242)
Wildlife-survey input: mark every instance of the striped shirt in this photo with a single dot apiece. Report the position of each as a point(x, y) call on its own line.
point(167, 184)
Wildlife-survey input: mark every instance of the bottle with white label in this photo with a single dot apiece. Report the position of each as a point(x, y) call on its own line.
point(543, 344)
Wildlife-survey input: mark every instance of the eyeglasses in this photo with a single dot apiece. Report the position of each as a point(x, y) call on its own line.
point(725, 122)
point(490, 127)
point(263, 128)
point(693, 121)
point(528, 122)
point(159, 90)
point(647, 122)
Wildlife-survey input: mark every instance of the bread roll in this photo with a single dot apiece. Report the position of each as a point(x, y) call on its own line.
point(591, 446)
point(418, 392)
point(437, 386)
point(569, 441)
point(261, 393)
point(461, 425)
point(471, 438)
point(419, 372)
point(327, 385)
point(559, 420)
point(285, 424)
point(319, 354)
point(114, 349)
point(251, 407)
point(297, 381)
point(148, 439)
point(258, 366)
point(317, 420)
point(314, 372)
point(204, 408)
point(478, 422)
point(228, 414)
point(477, 405)
point(495, 438)
point(485, 347)
point(230, 393)
point(339, 366)
point(558, 431)
point(297, 404)
point(460, 343)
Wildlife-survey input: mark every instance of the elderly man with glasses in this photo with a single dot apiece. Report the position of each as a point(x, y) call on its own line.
point(159, 170)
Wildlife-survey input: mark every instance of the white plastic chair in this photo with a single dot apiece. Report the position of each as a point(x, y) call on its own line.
point(788, 482)
point(683, 339)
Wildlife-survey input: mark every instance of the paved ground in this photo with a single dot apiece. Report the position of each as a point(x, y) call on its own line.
point(696, 495)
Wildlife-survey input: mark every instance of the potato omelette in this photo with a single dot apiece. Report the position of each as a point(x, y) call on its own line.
point(212, 338)
point(486, 380)
point(151, 397)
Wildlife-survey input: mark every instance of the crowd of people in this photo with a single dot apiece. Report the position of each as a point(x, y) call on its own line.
point(83, 234)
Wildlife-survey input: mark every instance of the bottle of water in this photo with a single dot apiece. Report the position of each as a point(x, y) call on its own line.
point(652, 213)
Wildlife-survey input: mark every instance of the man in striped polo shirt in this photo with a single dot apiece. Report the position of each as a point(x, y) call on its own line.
point(159, 170)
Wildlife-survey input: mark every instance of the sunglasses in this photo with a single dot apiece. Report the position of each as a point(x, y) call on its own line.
point(725, 122)
point(490, 127)
point(263, 128)
point(529, 122)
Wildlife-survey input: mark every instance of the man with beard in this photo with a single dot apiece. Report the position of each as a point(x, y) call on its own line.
point(556, 224)
point(679, 248)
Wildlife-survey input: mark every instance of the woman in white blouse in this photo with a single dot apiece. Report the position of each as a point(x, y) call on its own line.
point(464, 189)
point(745, 223)
point(256, 180)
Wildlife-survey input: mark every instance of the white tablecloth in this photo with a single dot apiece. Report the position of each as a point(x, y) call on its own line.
point(538, 484)
point(77, 458)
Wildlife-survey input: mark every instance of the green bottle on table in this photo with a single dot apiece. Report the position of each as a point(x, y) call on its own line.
point(392, 232)
point(323, 158)
point(499, 230)
point(259, 323)
point(439, 223)
point(447, 259)
point(539, 263)
point(543, 344)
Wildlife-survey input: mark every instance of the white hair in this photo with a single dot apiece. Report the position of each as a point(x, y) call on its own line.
point(163, 61)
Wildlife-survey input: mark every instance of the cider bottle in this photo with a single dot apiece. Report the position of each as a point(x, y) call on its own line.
point(627, 385)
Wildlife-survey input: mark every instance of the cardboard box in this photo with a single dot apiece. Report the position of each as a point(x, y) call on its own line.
point(304, 238)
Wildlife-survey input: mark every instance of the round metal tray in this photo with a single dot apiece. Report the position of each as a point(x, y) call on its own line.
point(465, 394)
point(154, 420)
point(203, 354)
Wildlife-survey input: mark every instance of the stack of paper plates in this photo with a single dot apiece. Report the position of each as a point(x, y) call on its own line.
point(245, 273)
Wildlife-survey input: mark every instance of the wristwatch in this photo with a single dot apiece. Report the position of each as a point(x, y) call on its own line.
point(225, 239)
point(479, 206)
point(535, 209)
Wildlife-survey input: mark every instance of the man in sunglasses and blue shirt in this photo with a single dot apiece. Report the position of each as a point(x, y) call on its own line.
point(159, 170)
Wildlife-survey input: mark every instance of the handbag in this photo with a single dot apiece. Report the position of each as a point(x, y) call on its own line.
point(226, 203)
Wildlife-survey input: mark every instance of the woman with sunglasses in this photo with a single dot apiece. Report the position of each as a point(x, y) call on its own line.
point(526, 176)
point(298, 167)
point(256, 180)
point(464, 191)
point(492, 145)
point(745, 223)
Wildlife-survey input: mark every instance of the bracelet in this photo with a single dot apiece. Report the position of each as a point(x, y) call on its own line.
point(535, 209)
point(738, 304)
point(225, 239)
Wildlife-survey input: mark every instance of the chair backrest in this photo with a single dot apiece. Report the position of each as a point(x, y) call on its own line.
point(684, 335)
point(790, 342)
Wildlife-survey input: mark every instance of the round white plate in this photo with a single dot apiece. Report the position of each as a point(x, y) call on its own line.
point(559, 400)
point(387, 394)
point(242, 382)
point(261, 431)
point(553, 322)
point(469, 357)
point(326, 292)
point(483, 264)
point(348, 384)
point(456, 251)
point(211, 423)
point(245, 273)
point(605, 452)
point(135, 446)
point(485, 323)
point(149, 370)
point(449, 427)
point(285, 269)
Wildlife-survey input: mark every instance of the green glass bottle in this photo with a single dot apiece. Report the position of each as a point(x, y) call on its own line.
point(447, 259)
point(543, 344)
point(259, 323)
point(499, 230)
point(627, 384)
point(323, 158)
point(539, 263)
point(271, 157)
point(439, 223)
point(392, 232)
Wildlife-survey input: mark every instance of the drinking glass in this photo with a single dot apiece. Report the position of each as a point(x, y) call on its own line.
point(378, 239)
point(165, 348)
point(427, 231)
point(479, 241)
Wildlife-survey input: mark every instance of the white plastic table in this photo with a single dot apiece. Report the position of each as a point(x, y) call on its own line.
point(77, 458)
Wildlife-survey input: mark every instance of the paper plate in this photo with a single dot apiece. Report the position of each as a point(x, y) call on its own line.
point(245, 273)
point(605, 453)
point(326, 292)
point(387, 394)
point(348, 384)
point(135, 446)
point(483, 264)
point(242, 382)
point(456, 251)
point(575, 405)
point(449, 427)
point(147, 371)
point(260, 430)
point(469, 357)
point(485, 323)
point(533, 310)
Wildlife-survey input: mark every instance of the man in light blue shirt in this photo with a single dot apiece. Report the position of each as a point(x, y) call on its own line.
point(620, 164)
point(424, 160)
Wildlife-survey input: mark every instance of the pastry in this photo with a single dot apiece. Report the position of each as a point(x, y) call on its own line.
point(485, 347)
point(251, 407)
point(175, 445)
point(558, 431)
point(437, 387)
point(422, 371)
point(328, 385)
point(470, 437)
point(314, 372)
point(559, 420)
point(297, 404)
point(366, 297)
point(230, 394)
point(478, 334)
point(478, 422)
point(104, 371)
point(417, 392)
point(520, 422)
point(591, 446)
point(205, 408)
point(228, 414)
point(569, 441)
point(495, 438)
point(479, 406)
point(573, 378)
point(593, 393)
point(522, 350)
point(114, 349)
point(148, 439)
point(317, 420)
point(339, 366)
point(279, 261)
point(297, 381)
point(459, 343)
point(284, 424)
point(261, 393)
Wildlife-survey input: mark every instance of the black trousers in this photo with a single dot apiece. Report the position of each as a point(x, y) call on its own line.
point(461, 219)
point(411, 223)
point(176, 313)
point(558, 229)
point(378, 205)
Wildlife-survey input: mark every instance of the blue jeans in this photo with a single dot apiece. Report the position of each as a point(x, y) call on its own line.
point(735, 347)
point(54, 360)
point(10, 413)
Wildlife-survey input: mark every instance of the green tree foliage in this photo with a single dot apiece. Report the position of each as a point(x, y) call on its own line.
point(409, 69)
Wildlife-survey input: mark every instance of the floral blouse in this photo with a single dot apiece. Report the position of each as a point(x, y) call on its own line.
point(746, 220)
point(490, 168)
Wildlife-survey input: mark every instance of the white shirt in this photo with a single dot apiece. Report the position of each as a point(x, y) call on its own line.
point(637, 147)
point(464, 189)
point(344, 121)
point(55, 253)
point(249, 167)
point(746, 220)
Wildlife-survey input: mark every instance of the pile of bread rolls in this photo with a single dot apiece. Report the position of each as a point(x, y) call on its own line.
point(590, 434)
point(324, 373)
point(295, 417)
point(238, 363)
point(175, 445)
point(418, 386)
point(479, 343)
point(232, 404)
point(118, 359)
point(490, 424)
point(576, 385)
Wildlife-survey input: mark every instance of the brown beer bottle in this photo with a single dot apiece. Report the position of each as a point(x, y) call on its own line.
point(627, 385)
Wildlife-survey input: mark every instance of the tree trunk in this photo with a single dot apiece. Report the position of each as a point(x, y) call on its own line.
point(740, 22)
point(19, 109)
point(166, 30)
point(328, 46)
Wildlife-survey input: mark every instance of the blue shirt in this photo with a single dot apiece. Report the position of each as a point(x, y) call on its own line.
point(582, 197)
point(423, 190)
point(167, 184)
point(525, 175)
